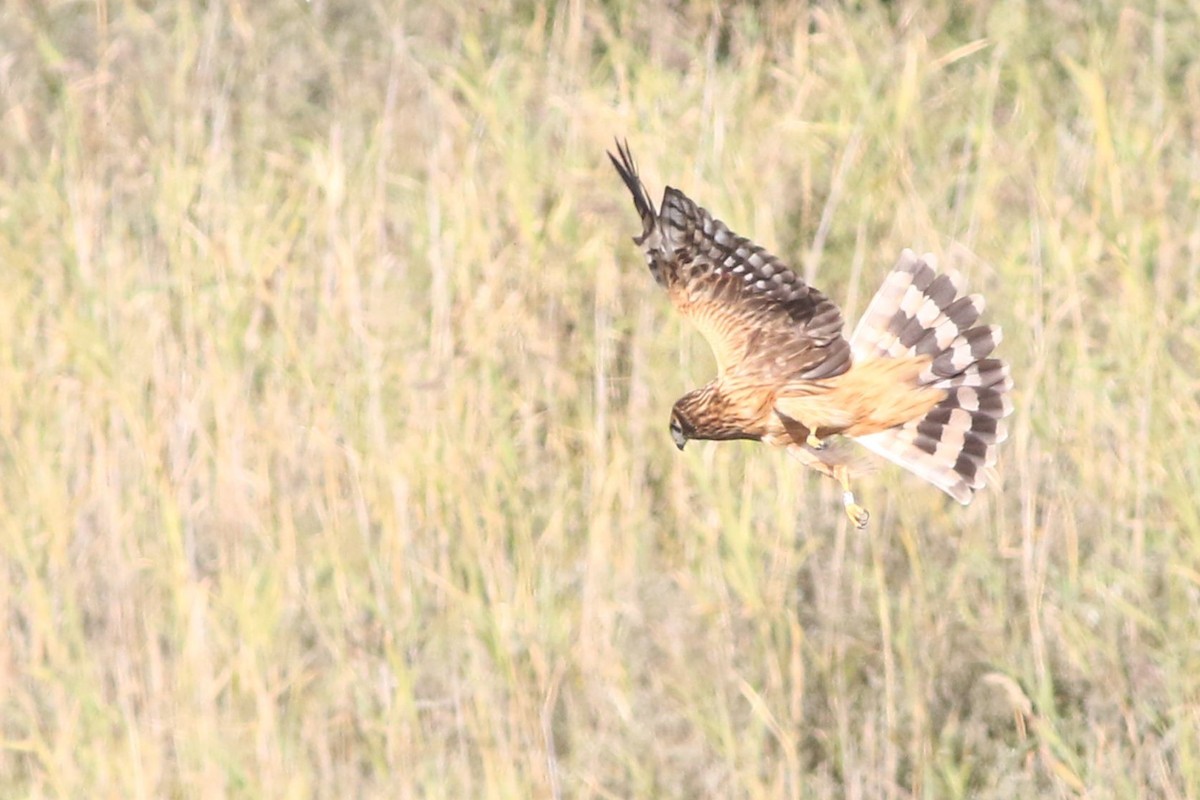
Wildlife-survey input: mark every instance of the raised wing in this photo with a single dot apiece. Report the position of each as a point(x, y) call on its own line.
point(761, 320)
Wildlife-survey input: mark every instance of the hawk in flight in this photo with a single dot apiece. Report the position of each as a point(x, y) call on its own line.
point(914, 383)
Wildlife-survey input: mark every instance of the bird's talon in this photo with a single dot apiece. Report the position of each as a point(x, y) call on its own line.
point(857, 514)
point(812, 441)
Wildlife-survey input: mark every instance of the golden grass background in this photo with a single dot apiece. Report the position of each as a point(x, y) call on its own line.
point(333, 403)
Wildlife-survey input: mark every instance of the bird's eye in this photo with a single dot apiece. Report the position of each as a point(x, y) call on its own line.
point(677, 434)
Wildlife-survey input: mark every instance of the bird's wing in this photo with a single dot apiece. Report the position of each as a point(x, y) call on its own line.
point(762, 321)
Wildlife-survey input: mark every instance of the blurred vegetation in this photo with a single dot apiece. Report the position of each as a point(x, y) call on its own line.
point(333, 403)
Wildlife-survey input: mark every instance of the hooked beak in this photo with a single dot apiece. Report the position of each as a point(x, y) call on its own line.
point(680, 439)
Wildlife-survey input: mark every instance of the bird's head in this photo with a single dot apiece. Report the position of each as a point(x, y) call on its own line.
point(691, 415)
point(681, 428)
point(706, 413)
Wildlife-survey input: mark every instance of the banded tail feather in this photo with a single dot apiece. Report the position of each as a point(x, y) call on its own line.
point(919, 312)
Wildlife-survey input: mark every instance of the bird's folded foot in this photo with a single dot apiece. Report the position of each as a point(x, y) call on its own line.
point(812, 441)
point(857, 514)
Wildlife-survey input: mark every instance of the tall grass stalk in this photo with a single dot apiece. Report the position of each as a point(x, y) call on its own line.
point(333, 404)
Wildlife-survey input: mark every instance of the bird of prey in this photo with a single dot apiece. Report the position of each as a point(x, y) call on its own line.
point(914, 382)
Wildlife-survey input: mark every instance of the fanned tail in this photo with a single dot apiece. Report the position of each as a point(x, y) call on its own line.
point(918, 312)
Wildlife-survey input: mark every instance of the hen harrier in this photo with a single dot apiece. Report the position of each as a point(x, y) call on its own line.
point(913, 384)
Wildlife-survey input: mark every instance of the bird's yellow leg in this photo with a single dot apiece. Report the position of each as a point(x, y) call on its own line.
point(857, 514)
point(840, 473)
point(812, 441)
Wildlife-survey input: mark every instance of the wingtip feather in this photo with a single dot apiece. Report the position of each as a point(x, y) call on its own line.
point(627, 168)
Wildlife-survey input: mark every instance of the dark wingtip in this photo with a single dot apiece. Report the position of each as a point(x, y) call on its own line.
point(627, 169)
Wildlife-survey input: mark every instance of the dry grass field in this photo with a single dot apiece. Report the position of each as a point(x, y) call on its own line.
point(334, 403)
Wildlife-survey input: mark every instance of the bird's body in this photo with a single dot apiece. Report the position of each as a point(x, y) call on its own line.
point(914, 382)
